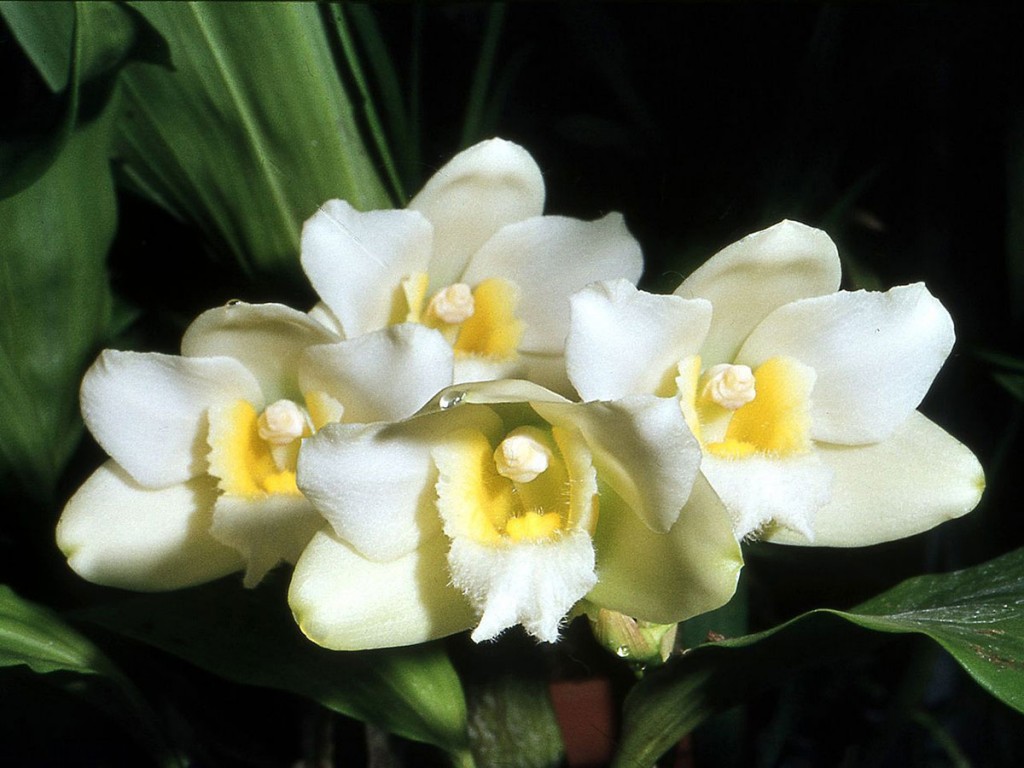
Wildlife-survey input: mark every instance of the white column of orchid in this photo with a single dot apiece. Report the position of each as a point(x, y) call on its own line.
point(505, 504)
point(204, 446)
point(803, 396)
point(471, 257)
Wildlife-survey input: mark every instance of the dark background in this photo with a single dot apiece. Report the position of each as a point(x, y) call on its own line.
point(897, 128)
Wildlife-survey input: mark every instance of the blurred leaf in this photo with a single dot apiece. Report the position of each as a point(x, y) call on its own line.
point(1001, 359)
point(473, 120)
point(32, 145)
point(1011, 378)
point(113, 33)
point(44, 31)
point(1012, 383)
point(405, 143)
point(250, 133)
point(35, 637)
point(54, 303)
point(975, 614)
point(249, 636)
point(78, 49)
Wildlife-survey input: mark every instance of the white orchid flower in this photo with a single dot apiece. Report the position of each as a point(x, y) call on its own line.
point(505, 504)
point(472, 257)
point(803, 396)
point(201, 482)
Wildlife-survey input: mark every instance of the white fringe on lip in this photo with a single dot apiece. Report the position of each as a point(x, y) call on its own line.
point(530, 583)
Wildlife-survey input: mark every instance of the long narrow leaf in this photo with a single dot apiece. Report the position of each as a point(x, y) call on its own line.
point(250, 132)
point(385, 76)
point(482, 78)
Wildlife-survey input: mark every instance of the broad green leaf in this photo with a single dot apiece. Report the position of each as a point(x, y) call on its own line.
point(35, 637)
point(78, 49)
point(54, 303)
point(250, 133)
point(975, 614)
point(33, 143)
point(249, 636)
point(43, 30)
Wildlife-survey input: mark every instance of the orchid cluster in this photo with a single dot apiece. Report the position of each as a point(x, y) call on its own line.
point(484, 423)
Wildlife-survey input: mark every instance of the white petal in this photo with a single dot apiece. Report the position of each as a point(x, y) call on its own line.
point(266, 338)
point(875, 355)
point(327, 319)
point(626, 342)
point(374, 484)
point(549, 258)
point(749, 279)
point(913, 481)
point(494, 392)
point(666, 577)
point(265, 531)
point(382, 376)
point(148, 410)
point(530, 583)
point(548, 371)
point(117, 533)
point(475, 194)
point(642, 448)
point(475, 368)
point(357, 260)
point(762, 492)
point(345, 602)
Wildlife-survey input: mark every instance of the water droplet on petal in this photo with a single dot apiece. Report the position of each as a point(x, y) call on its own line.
point(232, 302)
point(451, 399)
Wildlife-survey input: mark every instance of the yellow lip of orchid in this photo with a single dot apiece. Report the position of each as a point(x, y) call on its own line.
point(250, 458)
point(472, 257)
point(523, 490)
point(479, 321)
point(791, 387)
point(766, 411)
point(496, 484)
point(209, 441)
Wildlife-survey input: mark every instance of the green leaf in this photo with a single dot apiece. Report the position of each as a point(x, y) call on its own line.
point(78, 49)
point(37, 137)
point(975, 614)
point(35, 637)
point(1012, 383)
point(250, 133)
point(249, 636)
point(387, 86)
point(54, 303)
point(472, 122)
point(44, 31)
point(1000, 359)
